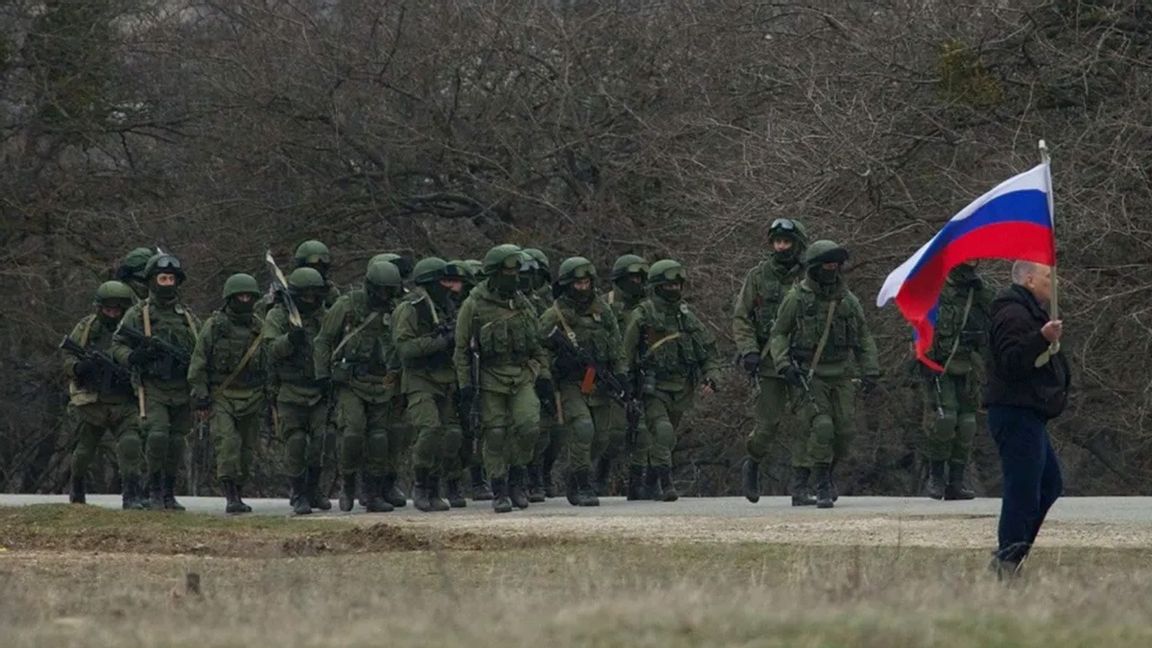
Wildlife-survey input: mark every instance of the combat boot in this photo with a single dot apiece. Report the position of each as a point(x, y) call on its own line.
point(130, 498)
point(437, 502)
point(375, 500)
point(546, 475)
point(603, 474)
point(667, 487)
point(500, 501)
point(516, 487)
point(455, 495)
point(298, 496)
point(170, 502)
point(823, 486)
point(570, 490)
point(77, 495)
point(585, 492)
point(155, 492)
point(535, 484)
point(751, 481)
point(241, 505)
point(420, 495)
point(957, 489)
point(635, 483)
point(348, 492)
point(392, 492)
point(316, 499)
point(799, 489)
point(481, 492)
point(652, 481)
point(935, 486)
point(232, 503)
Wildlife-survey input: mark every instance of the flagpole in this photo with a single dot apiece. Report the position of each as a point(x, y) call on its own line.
point(1054, 306)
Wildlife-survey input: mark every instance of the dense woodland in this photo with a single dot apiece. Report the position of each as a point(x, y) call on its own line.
point(666, 128)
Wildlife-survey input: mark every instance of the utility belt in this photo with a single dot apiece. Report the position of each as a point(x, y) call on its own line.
point(344, 372)
point(438, 360)
point(504, 359)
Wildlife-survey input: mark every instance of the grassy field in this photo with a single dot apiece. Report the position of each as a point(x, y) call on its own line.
point(72, 576)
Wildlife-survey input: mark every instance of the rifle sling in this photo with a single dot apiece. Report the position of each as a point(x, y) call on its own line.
point(820, 346)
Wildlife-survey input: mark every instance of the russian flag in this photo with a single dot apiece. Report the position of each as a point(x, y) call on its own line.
point(1013, 221)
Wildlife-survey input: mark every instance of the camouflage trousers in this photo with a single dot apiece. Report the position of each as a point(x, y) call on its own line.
point(436, 421)
point(511, 422)
point(94, 420)
point(953, 417)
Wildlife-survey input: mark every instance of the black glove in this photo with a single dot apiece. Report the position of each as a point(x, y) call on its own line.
point(85, 369)
point(793, 375)
point(324, 385)
point(298, 337)
point(140, 356)
point(567, 365)
point(203, 404)
point(868, 384)
point(625, 384)
point(751, 363)
point(465, 395)
point(544, 390)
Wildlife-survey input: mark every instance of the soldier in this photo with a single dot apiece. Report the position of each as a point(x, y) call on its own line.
point(470, 455)
point(400, 433)
point(962, 321)
point(227, 376)
point(536, 284)
point(354, 352)
point(402, 263)
point(309, 254)
point(629, 273)
point(302, 406)
point(497, 328)
point(754, 312)
point(581, 331)
point(676, 355)
point(424, 326)
point(819, 326)
point(131, 271)
point(156, 338)
point(100, 395)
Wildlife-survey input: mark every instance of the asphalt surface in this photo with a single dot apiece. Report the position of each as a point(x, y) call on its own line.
point(1108, 510)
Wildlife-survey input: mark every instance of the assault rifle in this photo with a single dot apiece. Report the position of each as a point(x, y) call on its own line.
point(112, 375)
point(175, 359)
point(595, 373)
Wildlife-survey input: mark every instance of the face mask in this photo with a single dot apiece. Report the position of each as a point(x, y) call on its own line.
point(964, 275)
point(667, 293)
point(108, 322)
point(631, 288)
point(241, 307)
point(164, 293)
point(307, 303)
point(823, 276)
point(785, 257)
point(379, 296)
point(504, 285)
point(581, 297)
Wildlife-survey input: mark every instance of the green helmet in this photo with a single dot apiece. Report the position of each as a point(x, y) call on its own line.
point(629, 264)
point(133, 264)
point(164, 264)
point(665, 271)
point(539, 257)
point(385, 256)
point(305, 278)
point(311, 253)
point(240, 283)
point(384, 274)
point(429, 270)
point(574, 268)
point(791, 228)
point(457, 269)
point(112, 291)
point(402, 263)
point(505, 255)
point(824, 252)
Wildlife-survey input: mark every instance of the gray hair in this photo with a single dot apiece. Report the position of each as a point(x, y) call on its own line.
point(1021, 270)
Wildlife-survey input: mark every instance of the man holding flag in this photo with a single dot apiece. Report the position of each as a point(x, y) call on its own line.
point(1028, 376)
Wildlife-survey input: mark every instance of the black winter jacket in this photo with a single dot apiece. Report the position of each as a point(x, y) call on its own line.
point(1014, 344)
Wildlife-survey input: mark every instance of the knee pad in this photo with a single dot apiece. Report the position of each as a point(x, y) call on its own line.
point(823, 428)
point(946, 425)
point(967, 423)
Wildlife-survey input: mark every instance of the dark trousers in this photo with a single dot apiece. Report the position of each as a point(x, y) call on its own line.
point(1032, 480)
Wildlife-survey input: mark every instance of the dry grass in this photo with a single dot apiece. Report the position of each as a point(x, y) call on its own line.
point(487, 592)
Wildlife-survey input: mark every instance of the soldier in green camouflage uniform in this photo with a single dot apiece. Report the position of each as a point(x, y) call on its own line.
point(819, 328)
point(536, 284)
point(131, 271)
point(677, 355)
point(753, 314)
point(589, 325)
point(354, 352)
point(227, 378)
point(101, 397)
point(471, 456)
point(499, 324)
point(629, 274)
point(161, 374)
point(424, 326)
point(952, 397)
point(302, 405)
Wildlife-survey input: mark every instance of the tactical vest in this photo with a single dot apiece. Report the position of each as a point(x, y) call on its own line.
point(427, 324)
point(766, 304)
point(675, 342)
point(299, 367)
point(230, 344)
point(952, 323)
point(176, 327)
point(592, 330)
point(844, 335)
point(363, 348)
point(95, 336)
point(506, 336)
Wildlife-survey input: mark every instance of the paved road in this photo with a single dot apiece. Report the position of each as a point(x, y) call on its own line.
point(1119, 510)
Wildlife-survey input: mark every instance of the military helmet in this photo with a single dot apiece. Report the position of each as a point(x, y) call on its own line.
point(476, 267)
point(539, 257)
point(791, 228)
point(824, 251)
point(164, 264)
point(429, 270)
point(457, 269)
point(574, 268)
point(133, 264)
point(390, 257)
point(666, 271)
point(305, 278)
point(111, 291)
point(384, 274)
point(240, 283)
point(629, 264)
point(502, 256)
point(312, 252)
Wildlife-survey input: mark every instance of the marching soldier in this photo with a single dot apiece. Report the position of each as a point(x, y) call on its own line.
point(471, 455)
point(131, 271)
point(535, 283)
point(629, 274)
